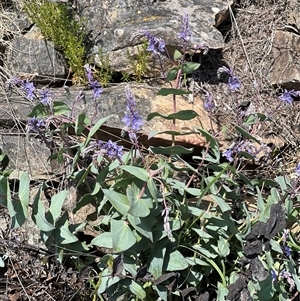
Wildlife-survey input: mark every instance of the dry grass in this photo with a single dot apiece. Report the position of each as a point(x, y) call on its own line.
point(248, 39)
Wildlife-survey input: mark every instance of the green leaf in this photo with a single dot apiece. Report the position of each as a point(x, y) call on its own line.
point(38, 214)
point(156, 259)
point(137, 290)
point(222, 203)
point(57, 203)
point(122, 236)
point(181, 115)
point(204, 251)
point(246, 134)
point(118, 200)
point(66, 235)
point(172, 74)
point(251, 119)
point(39, 111)
point(141, 225)
point(104, 240)
point(176, 262)
point(223, 247)
point(261, 181)
point(138, 172)
point(213, 144)
point(21, 215)
point(153, 133)
point(202, 234)
point(138, 206)
point(295, 275)
point(95, 128)
point(24, 189)
point(222, 292)
point(152, 189)
point(190, 67)
point(172, 91)
point(80, 123)
point(170, 150)
point(177, 55)
point(5, 195)
point(266, 291)
point(60, 108)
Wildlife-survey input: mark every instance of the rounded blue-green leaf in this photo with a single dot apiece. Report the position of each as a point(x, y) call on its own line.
point(176, 262)
point(122, 236)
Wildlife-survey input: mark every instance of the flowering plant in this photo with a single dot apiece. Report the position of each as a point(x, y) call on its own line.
point(169, 228)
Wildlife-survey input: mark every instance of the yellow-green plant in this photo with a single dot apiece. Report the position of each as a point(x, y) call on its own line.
point(57, 23)
point(105, 72)
point(139, 61)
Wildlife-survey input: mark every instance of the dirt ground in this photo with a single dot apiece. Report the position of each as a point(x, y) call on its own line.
point(28, 272)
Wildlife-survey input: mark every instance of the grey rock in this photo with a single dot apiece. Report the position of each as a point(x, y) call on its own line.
point(117, 26)
point(27, 153)
point(285, 71)
point(30, 54)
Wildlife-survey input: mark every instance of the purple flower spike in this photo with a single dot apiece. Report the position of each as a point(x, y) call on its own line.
point(298, 170)
point(35, 124)
point(94, 84)
point(287, 251)
point(274, 275)
point(111, 149)
point(132, 120)
point(209, 102)
point(185, 33)
point(29, 88)
point(156, 45)
point(228, 154)
point(88, 72)
point(286, 97)
point(234, 83)
point(45, 97)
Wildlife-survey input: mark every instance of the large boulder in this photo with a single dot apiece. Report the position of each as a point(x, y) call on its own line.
point(117, 27)
point(27, 153)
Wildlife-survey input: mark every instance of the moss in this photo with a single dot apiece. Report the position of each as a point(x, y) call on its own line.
point(57, 23)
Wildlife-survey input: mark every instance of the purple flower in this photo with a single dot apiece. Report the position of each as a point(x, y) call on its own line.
point(185, 33)
point(165, 213)
point(35, 124)
point(286, 97)
point(111, 149)
point(298, 170)
point(274, 275)
point(88, 72)
point(97, 88)
point(228, 154)
point(287, 275)
point(209, 102)
point(45, 97)
point(29, 88)
point(287, 251)
point(132, 120)
point(25, 86)
point(285, 236)
point(155, 44)
point(94, 84)
point(234, 83)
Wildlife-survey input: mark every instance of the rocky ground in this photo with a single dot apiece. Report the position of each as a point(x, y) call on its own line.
point(28, 272)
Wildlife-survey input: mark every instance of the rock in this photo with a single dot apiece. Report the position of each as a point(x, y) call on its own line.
point(294, 15)
point(120, 29)
point(31, 154)
point(285, 53)
point(32, 56)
